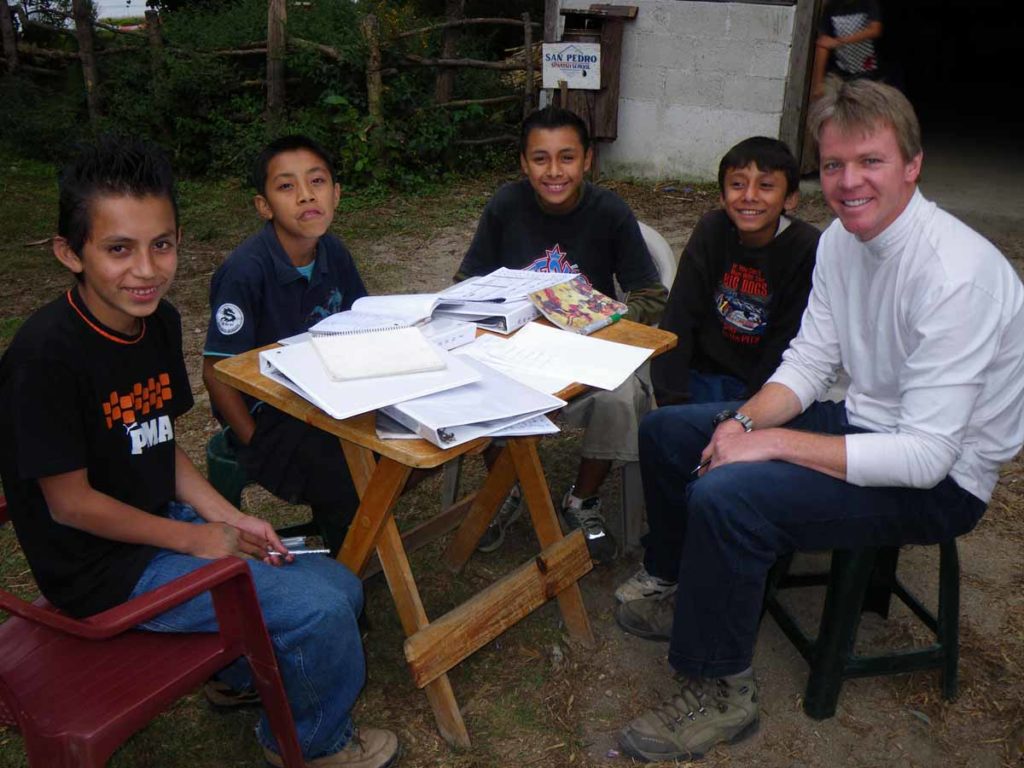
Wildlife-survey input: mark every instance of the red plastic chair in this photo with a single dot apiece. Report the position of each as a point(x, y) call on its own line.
point(77, 689)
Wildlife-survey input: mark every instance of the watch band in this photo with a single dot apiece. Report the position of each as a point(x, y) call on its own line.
point(742, 418)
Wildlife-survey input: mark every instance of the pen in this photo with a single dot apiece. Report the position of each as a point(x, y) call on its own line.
point(700, 466)
point(272, 553)
point(597, 325)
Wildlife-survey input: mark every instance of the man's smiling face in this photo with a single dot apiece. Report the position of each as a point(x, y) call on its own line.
point(864, 177)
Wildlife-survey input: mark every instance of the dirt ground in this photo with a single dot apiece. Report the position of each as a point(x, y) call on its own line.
point(880, 721)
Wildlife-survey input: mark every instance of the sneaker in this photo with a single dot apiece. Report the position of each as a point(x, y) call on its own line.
point(649, 617)
point(641, 584)
point(368, 748)
point(223, 696)
point(511, 510)
point(704, 713)
point(585, 514)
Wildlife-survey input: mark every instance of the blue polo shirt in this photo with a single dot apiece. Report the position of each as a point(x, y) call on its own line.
point(257, 296)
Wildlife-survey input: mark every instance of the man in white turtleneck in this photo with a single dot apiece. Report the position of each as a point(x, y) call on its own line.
point(927, 317)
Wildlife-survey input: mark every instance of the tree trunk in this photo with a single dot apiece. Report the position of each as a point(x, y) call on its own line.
point(156, 41)
point(374, 85)
point(82, 12)
point(276, 47)
point(9, 41)
point(444, 85)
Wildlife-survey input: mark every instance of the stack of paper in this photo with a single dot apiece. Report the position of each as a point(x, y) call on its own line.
point(297, 367)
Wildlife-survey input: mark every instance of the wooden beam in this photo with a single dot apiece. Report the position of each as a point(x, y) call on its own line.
point(459, 23)
point(550, 21)
point(464, 630)
point(528, 101)
point(801, 57)
point(83, 34)
point(423, 61)
point(277, 46)
point(486, 502)
point(10, 43)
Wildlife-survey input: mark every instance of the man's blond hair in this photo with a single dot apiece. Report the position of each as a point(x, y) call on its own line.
point(860, 105)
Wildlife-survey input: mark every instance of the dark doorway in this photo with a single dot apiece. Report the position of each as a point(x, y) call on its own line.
point(957, 61)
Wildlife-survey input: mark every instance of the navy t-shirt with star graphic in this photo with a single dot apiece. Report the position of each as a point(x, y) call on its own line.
point(600, 238)
point(75, 395)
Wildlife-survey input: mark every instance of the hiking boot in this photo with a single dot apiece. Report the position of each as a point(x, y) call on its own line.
point(585, 514)
point(649, 617)
point(511, 510)
point(368, 748)
point(704, 713)
point(223, 696)
point(642, 584)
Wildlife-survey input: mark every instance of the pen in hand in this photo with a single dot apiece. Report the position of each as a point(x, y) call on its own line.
point(700, 466)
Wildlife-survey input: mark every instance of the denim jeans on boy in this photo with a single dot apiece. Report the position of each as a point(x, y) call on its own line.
point(721, 533)
point(310, 608)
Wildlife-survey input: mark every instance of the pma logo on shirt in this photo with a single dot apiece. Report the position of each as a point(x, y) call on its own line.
point(127, 409)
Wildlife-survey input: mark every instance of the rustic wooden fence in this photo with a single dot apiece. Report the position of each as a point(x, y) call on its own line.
point(20, 55)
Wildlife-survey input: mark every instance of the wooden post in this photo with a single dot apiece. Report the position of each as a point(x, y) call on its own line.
point(444, 83)
point(7, 35)
point(550, 21)
point(156, 41)
point(277, 42)
point(374, 86)
point(81, 10)
point(528, 101)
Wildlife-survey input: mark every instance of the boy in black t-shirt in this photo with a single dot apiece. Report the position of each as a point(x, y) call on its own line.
point(740, 291)
point(279, 282)
point(105, 505)
point(555, 221)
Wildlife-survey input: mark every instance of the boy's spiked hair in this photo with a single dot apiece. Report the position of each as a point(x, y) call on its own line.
point(860, 105)
point(767, 154)
point(290, 143)
point(113, 165)
point(550, 118)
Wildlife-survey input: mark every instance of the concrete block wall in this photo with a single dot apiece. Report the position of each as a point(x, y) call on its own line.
point(696, 78)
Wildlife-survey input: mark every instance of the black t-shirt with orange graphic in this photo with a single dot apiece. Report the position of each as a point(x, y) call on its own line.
point(77, 395)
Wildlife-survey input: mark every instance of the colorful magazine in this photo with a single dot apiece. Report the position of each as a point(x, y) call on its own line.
point(576, 306)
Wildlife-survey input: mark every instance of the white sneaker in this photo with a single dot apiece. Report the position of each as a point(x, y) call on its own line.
point(641, 584)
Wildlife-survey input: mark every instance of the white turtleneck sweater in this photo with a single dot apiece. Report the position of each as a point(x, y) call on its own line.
point(928, 320)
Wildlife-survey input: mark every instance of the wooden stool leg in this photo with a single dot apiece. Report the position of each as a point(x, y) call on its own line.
point(839, 620)
point(949, 616)
point(496, 487)
point(542, 512)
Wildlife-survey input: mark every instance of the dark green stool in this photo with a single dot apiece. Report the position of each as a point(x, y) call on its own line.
point(228, 477)
point(223, 470)
point(858, 581)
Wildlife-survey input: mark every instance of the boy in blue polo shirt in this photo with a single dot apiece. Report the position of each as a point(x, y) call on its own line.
point(282, 280)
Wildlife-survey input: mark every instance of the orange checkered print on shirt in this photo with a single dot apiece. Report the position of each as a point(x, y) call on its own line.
point(142, 399)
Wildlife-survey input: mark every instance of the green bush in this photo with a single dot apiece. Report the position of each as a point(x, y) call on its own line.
point(208, 109)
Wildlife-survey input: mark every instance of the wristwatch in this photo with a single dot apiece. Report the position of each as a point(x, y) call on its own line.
point(748, 425)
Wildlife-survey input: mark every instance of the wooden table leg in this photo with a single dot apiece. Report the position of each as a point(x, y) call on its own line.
point(377, 495)
point(538, 499)
point(499, 482)
point(414, 617)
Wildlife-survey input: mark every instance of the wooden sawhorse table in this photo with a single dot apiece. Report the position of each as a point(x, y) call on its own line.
point(380, 469)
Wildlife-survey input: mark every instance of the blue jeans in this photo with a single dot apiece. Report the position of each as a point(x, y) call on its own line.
point(720, 534)
point(310, 608)
point(715, 387)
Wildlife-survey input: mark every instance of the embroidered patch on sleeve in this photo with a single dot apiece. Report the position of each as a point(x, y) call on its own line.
point(229, 319)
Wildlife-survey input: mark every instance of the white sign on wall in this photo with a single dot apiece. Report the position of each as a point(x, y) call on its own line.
point(578, 64)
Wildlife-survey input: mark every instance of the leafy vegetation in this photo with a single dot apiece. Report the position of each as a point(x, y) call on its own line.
point(202, 93)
